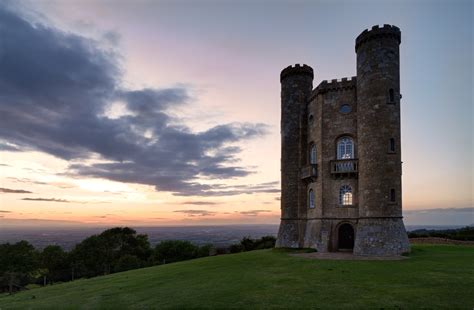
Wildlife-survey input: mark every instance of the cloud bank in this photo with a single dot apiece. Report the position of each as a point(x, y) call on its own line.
point(56, 89)
point(14, 191)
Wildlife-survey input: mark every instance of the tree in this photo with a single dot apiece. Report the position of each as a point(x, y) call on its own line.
point(127, 262)
point(55, 262)
point(18, 262)
point(99, 254)
point(174, 251)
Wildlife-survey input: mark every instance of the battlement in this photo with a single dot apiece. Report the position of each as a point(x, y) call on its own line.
point(377, 32)
point(334, 85)
point(295, 70)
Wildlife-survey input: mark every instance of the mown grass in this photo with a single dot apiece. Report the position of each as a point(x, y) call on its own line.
point(435, 276)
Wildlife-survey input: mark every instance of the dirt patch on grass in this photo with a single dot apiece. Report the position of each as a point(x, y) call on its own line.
point(346, 256)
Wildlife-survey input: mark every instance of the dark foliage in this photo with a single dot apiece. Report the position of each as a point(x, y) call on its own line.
point(248, 244)
point(466, 233)
point(18, 264)
point(103, 253)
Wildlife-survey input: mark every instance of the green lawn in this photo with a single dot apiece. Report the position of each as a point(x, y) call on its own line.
point(439, 276)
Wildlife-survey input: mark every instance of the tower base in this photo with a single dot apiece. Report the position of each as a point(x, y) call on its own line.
point(381, 237)
point(289, 234)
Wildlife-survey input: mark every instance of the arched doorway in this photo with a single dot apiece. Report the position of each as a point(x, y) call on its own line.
point(345, 237)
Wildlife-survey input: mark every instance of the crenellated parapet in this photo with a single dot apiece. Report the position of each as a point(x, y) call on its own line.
point(334, 85)
point(378, 32)
point(296, 70)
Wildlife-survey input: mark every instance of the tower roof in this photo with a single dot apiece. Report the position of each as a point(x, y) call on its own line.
point(377, 32)
point(296, 70)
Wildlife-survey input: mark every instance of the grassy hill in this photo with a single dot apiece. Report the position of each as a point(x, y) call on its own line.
point(439, 276)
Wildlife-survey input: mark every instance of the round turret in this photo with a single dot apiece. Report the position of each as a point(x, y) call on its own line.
point(387, 31)
point(297, 69)
point(380, 228)
point(296, 86)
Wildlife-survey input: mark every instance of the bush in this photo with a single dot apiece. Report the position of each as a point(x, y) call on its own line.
point(247, 244)
point(174, 251)
point(127, 262)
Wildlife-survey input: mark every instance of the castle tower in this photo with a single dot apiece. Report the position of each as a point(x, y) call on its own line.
point(380, 229)
point(341, 156)
point(296, 87)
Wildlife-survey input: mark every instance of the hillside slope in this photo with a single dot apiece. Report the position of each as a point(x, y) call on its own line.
point(439, 276)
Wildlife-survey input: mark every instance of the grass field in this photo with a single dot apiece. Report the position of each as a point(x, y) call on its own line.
point(439, 276)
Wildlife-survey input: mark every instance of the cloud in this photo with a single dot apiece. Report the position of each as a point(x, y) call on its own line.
point(441, 210)
point(441, 216)
point(4, 211)
point(194, 213)
point(56, 100)
point(47, 199)
point(254, 212)
point(8, 147)
point(14, 191)
point(199, 203)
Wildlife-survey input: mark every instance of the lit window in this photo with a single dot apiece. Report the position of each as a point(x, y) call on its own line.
point(312, 154)
point(345, 148)
point(311, 199)
point(345, 195)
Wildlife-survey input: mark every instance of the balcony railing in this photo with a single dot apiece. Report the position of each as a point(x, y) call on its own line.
point(309, 172)
point(344, 166)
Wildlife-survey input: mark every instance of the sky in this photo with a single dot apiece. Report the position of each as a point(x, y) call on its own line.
point(148, 113)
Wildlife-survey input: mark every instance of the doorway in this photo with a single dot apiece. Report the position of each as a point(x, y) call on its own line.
point(345, 237)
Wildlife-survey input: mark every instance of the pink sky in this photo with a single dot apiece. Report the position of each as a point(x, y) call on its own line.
point(227, 56)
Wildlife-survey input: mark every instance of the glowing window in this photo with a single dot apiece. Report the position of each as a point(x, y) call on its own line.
point(345, 195)
point(345, 148)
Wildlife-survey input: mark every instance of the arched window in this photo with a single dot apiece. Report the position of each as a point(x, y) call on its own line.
point(391, 96)
point(311, 198)
point(345, 148)
point(312, 154)
point(345, 195)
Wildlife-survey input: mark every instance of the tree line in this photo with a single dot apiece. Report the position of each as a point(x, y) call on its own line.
point(114, 250)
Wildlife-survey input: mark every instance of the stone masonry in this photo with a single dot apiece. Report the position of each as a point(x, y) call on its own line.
point(341, 156)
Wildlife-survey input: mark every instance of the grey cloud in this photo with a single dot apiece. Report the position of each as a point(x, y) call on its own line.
point(8, 147)
point(441, 210)
point(14, 191)
point(199, 203)
point(55, 98)
point(254, 212)
point(47, 199)
point(4, 211)
point(194, 213)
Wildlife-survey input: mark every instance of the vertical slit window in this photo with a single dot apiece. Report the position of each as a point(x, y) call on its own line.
point(391, 96)
point(311, 199)
point(392, 195)
point(392, 145)
point(313, 155)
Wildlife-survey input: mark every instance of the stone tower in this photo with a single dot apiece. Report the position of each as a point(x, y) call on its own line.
point(341, 159)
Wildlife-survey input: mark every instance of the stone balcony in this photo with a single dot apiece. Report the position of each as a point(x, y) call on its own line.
point(345, 167)
point(309, 172)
